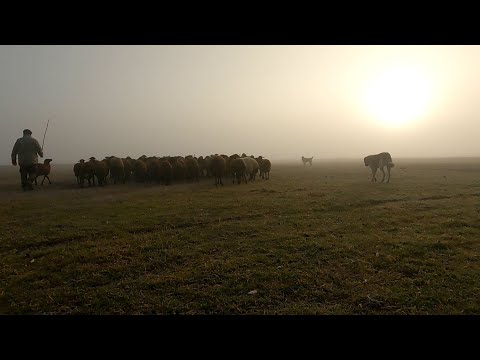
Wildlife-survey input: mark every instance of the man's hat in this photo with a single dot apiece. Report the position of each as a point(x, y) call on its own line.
point(27, 131)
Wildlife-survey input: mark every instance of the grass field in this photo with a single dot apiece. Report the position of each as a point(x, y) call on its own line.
point(311, 240)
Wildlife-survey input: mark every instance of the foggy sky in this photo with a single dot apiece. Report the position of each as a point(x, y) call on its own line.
point(281, 102)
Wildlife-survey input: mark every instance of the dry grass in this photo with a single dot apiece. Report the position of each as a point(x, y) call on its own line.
point(312, 240)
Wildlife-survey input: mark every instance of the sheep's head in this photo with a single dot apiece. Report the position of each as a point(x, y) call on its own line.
point(81, 161)
point(92, 158)
point(365, 160)
point(47, 161)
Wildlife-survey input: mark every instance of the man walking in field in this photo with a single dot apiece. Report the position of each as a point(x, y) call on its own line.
point(27, 149)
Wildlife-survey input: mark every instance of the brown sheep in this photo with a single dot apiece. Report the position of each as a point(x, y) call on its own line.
point(117, 170)
point(43, 169)
point(179, 170)
point(153, 168)
point(128, 166)
point(227, 165)
point(165, 172)
point(140, 170)
point(238, 170)
point(193, 169)
point(202, 163)
point(87, 171)
point(172, 160)
point(259, 161)
point(217, 168)
point(265, 166)
point(208, 167)
point(77, 170)
point(101, 170)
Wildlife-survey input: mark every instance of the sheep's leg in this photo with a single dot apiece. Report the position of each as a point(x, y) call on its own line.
point(388, 170)
point(374, 171)
point(35, 181)
point(44, 176)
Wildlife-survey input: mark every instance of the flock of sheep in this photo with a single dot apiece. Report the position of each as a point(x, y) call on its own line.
point(165, 170)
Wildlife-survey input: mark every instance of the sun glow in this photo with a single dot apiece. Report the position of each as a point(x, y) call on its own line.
point(397, 97)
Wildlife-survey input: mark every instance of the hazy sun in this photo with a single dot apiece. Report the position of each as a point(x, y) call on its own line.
point(398, 96)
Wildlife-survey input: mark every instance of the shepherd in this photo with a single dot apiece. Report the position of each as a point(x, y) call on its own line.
point(27, 148)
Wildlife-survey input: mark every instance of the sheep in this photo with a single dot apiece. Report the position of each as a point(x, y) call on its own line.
point(165, 172)
point(238, 169)
point(208, 167)
point(227, 164)
point(252, 167)
point(77, 170)
point(153, 166)
point(260, 160)
point(128, 166)
point(265, 167)
point(172, 160)
point(117, 170)
point(217, 168)
point(87, 171)
point(193, 169)
point(43, 169)
point(101, 170)
point(140, 170)
point(202, 165)
point(179, 169)
point(181, 158)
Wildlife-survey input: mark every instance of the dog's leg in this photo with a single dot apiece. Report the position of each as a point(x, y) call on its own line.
point(383, 172)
